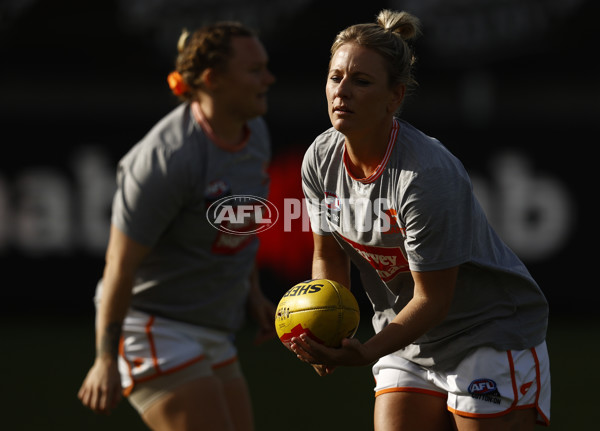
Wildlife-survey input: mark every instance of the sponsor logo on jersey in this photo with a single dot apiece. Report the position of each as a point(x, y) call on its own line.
point(387, 261)
point(332, 201)
point(485, 390)
point(216, 190)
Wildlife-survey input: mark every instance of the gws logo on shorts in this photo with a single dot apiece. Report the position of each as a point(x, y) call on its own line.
point(485, 390)
point(242, 214)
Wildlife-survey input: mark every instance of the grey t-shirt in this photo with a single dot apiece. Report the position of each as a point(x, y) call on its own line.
point(194, 272)
point(417, 212)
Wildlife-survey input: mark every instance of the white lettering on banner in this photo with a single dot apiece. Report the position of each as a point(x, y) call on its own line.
point(44, 210)
point(532, 213)
point(43, 213)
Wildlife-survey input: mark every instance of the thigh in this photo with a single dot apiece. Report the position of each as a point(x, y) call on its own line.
point(399, 411)
point(237, 395)
point(198, 404)
point(517, 420)
point(239, 404)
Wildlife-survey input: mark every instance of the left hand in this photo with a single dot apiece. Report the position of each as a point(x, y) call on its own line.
point(324, 359)
point(262, 311)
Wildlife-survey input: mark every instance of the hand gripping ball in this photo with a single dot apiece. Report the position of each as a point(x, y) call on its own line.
point(323, 309)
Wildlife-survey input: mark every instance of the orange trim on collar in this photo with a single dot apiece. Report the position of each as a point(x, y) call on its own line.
point(203, 122)
point(386, 157)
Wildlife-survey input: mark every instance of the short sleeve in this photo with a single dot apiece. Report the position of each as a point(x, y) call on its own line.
point(437, 208)
point(150, 192)
point(314, 195)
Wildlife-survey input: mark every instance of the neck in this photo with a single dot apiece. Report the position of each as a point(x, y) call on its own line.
point(228, 131)
point(365, 151)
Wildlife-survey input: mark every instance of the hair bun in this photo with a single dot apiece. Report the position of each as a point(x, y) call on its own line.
point(185, 34)
point(406, 25)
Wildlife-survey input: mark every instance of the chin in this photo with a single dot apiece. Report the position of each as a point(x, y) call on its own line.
point(341, 126)
point(261, 109)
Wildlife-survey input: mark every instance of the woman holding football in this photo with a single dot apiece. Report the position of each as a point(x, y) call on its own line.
point(174, 287)
point(460, 323)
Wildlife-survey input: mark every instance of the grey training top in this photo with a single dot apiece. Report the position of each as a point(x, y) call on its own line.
point(194, 272)
point(417, 212)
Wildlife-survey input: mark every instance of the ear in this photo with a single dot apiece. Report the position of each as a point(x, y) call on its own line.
point(209, 78)
point(397, 97)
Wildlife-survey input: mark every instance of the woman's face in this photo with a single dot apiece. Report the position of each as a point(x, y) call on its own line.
point(244, 84)
point(359, 96)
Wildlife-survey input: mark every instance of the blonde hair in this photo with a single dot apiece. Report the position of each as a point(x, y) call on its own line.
point(388, 36)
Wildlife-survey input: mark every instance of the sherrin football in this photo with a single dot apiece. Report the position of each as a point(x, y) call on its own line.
point(322, 309)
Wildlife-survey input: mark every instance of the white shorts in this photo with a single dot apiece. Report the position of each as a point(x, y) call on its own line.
point(486, 383)
point(158, 354)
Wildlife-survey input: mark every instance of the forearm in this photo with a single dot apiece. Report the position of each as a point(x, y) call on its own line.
point(337, 270)
point(114, 303)
point(432, 298)
point(414, 320)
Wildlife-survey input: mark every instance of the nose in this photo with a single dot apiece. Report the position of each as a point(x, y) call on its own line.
point(342, 89)
point(269, 77)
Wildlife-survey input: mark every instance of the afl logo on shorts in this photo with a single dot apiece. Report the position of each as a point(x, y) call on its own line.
point(485, 390)
point(482, 386)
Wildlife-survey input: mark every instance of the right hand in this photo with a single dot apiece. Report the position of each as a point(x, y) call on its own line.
point(101, 389)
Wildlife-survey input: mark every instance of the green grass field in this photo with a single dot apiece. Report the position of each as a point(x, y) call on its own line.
point(45, 360)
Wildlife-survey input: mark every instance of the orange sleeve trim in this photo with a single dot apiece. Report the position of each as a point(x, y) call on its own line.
point(409, 389)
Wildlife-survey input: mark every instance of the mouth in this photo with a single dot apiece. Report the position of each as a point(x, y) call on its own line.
point(342, 110)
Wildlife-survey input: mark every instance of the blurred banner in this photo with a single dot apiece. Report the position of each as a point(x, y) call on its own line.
point(509, 86)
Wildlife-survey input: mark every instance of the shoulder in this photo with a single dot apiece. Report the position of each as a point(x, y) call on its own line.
point(419, 153)
point(171, 141)
point(325, 148)
point(259, 135)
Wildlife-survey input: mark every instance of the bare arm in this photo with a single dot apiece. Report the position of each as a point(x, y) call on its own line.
point(330, 261)
point(433, 295)
point(101, 388)
point(261, 309)
point(431, 301)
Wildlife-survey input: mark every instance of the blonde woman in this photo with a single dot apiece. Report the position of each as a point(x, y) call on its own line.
point(460, 323)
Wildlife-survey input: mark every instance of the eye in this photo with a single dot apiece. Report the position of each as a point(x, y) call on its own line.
point(362, 82)
point(335, 78)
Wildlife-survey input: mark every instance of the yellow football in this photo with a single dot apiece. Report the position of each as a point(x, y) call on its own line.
point(323, 309)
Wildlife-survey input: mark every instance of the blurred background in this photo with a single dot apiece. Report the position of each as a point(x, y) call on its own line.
point(511, 87)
